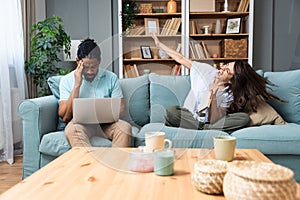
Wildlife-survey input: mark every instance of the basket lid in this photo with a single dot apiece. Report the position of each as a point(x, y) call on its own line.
point(211, 166)
point(260, 171)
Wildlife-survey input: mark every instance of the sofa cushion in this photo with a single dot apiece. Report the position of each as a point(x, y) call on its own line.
point(288, 89)
point(181, 137)
point(270, 139)
point(265, 114)
point(54, 144)
point(165, 91)
point(260, 72)
point(136, 94)
point(53, 83)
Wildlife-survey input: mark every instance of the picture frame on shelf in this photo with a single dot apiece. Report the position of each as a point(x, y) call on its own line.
point(151, 26)
point(146, 52)
point(233, 25)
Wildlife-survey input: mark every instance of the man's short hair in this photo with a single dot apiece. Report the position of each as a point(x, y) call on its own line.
point(88, 48)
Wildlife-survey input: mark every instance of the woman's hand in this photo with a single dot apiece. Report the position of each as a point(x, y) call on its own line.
point(217, 85)
point(178, 57)
point(156, 40)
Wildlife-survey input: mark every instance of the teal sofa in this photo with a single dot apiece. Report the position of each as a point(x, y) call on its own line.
point(147, 97)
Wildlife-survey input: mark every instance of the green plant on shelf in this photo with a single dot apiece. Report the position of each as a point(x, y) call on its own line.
point(129, 10)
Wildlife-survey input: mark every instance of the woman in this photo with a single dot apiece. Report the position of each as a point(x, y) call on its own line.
point(234, 90)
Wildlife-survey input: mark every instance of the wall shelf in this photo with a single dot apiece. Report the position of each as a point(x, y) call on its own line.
point(148, 60)
point(186, 36)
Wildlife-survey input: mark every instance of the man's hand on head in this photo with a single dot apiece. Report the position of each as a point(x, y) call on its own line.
point(78, 73)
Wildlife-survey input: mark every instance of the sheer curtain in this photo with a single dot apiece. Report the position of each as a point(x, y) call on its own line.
point(12, 77)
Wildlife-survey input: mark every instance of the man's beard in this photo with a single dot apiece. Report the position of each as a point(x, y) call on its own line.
point(90, 77)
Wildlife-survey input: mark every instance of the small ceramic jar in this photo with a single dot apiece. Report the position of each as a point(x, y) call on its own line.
point(140, 161)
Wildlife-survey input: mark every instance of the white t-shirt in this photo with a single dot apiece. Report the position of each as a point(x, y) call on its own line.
point(202, 76)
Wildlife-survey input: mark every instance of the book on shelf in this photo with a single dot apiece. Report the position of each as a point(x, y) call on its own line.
point(171, 26)
point(131, 71)
point(192, 50)
point(197, 49)
point(206, 52)
point(176, 70)
point(202, 51)
point(193, 28)
point(195, 53)
point(243, 6)
point(168, 28)
point(138, 30)
point(165, 27)
point(240, 6)
point(136, 71)
point(176, 26)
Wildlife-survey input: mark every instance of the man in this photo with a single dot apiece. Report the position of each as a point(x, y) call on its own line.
point(90, 81)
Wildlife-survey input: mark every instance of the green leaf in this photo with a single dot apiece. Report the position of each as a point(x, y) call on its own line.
point(48, 38)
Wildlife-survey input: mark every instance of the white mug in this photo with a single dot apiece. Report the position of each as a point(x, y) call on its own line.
point(224, 147)
point(156, 141)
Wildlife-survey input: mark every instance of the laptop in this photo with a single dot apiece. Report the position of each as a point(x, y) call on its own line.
point(96, 110)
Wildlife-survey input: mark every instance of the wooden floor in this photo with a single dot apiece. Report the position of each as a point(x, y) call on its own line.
point(10, 174)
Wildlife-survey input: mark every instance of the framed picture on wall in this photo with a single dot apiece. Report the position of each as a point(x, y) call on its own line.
point(151, 26)
point(146, 52)
point(233, 25)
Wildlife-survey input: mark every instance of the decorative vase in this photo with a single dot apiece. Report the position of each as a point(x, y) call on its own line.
point(218, 28)
point(226, 6)
point(172, 6)
point(206, 29)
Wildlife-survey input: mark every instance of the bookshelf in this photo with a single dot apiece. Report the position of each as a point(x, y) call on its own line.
point(223, 46)
point(168, 26)
point(185, 29)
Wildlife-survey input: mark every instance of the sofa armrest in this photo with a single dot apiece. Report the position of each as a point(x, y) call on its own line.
point(39, 117)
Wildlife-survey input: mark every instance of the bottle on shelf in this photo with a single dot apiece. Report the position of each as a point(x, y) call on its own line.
point(218, 28)
point(172, 6)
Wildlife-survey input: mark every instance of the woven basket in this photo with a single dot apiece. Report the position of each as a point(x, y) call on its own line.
point(233, 48)
point(208, 176)
point(146, 8)
point(258, 180)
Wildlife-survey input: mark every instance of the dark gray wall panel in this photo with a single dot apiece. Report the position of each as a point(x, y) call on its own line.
point(100, 27)
point(263, 37)
point(286, 33)
point(86, 18)
point(74, 14)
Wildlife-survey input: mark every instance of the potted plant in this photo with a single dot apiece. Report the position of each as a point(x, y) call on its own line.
point(128, 14)
point(48, 38)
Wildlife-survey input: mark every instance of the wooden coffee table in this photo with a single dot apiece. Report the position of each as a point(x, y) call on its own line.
point(102, 173)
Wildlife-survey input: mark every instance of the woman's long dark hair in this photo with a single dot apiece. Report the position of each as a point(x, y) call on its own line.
point(248, 88)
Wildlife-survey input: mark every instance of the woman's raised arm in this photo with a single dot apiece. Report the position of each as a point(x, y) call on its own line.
point(178, 57)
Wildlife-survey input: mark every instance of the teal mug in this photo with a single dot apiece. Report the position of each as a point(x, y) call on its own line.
point(164, 162)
